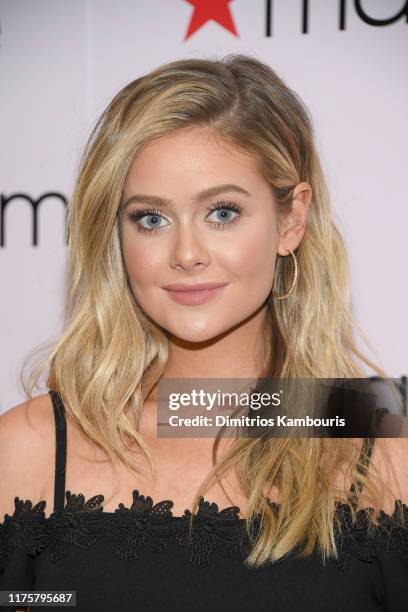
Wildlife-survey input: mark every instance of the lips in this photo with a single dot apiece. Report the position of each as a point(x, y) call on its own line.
point(199, 287)
point(192, 295)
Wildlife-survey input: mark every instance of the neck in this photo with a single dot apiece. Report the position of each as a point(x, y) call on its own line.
point(241, 352)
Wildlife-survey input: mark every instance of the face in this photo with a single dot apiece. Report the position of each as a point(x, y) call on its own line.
point(181, 227)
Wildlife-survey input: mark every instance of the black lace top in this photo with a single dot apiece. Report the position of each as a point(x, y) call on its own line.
point(142, 557)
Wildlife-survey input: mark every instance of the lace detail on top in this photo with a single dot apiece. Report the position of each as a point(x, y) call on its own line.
point(141, 525)
point(153, 527)
point(222, 532)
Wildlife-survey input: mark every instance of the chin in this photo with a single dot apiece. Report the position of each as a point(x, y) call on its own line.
point(195, 333)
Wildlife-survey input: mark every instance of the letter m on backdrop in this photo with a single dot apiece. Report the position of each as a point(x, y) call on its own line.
point(5, 201)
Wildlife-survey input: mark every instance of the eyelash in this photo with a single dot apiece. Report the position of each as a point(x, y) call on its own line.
point(221, 205)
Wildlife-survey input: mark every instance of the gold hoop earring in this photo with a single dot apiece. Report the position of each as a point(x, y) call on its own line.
point(283, 297)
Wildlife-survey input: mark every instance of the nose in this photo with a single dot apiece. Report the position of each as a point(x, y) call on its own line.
point(188, 252)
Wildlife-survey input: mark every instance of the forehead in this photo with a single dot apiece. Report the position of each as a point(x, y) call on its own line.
point(192, 153)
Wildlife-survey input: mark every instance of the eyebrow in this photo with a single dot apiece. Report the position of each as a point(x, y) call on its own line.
point(210, 192)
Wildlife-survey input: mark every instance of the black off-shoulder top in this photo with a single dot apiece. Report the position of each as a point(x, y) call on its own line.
point(141, 557)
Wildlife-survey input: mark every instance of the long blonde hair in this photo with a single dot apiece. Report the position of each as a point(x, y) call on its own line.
point(110, 354)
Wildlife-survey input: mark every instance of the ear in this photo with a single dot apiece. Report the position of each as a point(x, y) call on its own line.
point(292, 225)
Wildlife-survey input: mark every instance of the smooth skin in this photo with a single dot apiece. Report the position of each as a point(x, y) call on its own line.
point(221, 339)
point(192, 244)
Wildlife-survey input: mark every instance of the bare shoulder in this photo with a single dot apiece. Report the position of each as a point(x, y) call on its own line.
point(27, 445)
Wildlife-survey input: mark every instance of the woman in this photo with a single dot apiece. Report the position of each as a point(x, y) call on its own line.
point(199, 172)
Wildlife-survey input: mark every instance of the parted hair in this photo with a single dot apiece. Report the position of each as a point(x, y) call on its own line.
point(110, 354)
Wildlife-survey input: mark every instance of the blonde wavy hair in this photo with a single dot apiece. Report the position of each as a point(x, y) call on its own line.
point(110, 354)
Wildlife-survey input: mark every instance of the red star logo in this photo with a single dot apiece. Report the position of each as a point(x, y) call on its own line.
point(204, 10)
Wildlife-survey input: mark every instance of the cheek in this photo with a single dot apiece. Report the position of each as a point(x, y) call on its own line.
point(249, 257)
point(252, 258)
point(141, 262)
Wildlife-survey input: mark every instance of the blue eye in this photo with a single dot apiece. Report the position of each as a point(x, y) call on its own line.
point(156, 215)
point(139, 215)
point(229, 207)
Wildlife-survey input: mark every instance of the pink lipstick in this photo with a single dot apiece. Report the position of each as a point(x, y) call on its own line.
point(190, 295)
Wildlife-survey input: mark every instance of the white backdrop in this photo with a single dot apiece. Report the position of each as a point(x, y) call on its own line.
point(61, 63)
